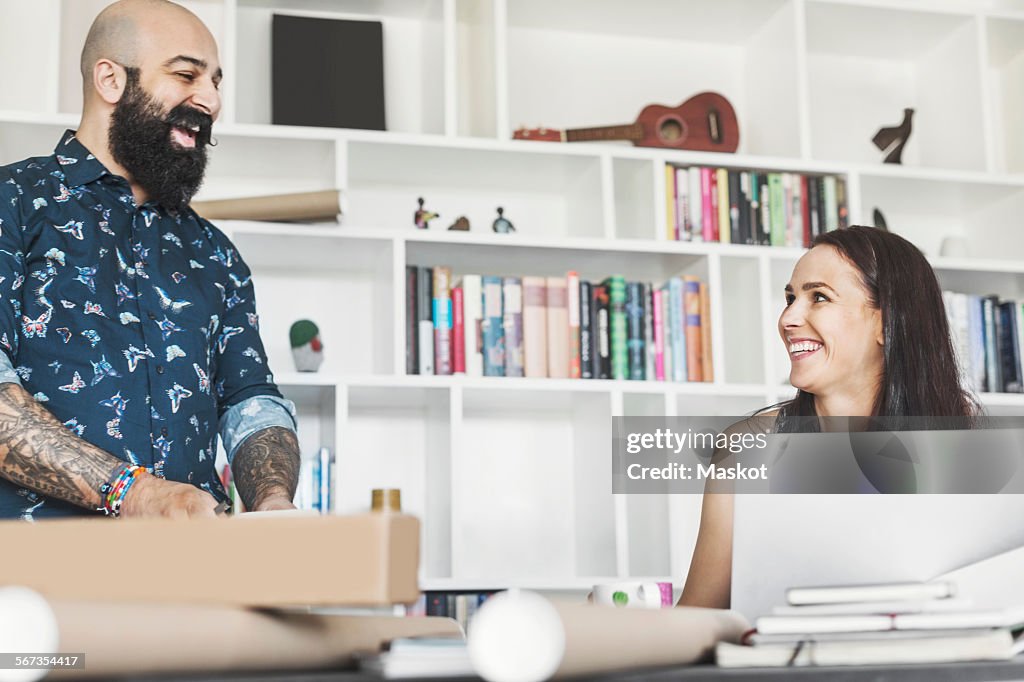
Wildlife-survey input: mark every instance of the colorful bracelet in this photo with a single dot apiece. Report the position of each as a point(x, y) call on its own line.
point(114, 490)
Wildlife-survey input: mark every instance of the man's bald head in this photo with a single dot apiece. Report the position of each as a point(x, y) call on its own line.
point(121, 30)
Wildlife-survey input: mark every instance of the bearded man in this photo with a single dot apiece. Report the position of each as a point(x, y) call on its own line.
point(127, 323)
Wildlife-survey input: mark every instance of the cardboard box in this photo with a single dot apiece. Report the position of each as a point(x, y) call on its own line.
point(250, 560)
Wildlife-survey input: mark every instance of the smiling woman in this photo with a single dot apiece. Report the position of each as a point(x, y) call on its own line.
point(866, 332)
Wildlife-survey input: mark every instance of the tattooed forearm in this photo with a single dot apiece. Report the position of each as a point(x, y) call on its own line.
point(40, 453)
point(265, 464)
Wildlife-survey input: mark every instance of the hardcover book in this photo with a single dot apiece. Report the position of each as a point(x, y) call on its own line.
point(558, 328)
point(512, 297)
point(492, 327)
point(535, 328)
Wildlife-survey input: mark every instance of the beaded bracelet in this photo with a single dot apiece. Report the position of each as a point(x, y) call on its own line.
point(117, 487)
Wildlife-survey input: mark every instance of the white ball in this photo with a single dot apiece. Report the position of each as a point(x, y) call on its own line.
point(27, 626)
point(516, 636)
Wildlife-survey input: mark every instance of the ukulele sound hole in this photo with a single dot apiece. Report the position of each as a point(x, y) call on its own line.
point(671, 130)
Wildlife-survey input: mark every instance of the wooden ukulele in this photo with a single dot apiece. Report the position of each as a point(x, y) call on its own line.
point(705, 123)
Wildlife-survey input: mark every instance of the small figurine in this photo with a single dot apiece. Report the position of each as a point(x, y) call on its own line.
point(422, 217)
point(502, 224)
point(894, 138)
point(462, 224)
point(307, 349)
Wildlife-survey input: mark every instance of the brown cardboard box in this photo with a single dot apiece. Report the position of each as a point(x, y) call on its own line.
point(273, 561)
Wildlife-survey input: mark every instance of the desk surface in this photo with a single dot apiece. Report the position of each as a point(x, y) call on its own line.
point(952, 672)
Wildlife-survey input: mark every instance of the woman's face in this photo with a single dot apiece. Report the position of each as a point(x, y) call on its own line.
point(832, 334)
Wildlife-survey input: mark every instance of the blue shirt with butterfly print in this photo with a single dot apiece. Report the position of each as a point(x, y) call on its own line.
point(134, 325)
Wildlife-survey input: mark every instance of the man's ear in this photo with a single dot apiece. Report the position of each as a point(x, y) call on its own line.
point(109, 80)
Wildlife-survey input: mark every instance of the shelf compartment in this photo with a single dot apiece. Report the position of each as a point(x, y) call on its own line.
point(549, 194)
point(345, 287)
point(893, 59)
point(400, 438)
point(578, 64)
point(530, 485)
point(1006, 81)
point(413, 57)
point(647, 517)
point(742, 336)
point(927, 211)
point(636, 192)
point(475, 69)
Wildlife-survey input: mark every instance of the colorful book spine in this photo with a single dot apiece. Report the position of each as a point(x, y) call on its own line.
point(993, 370)
point(705, 328)
point(831, 204)
point(813, 191)
point(707, 228)
point(648, 299)
point(1009, 350)
point(787, 202)
point(324, 471)
point(683, 225)
point(442, 321)
point(472, 303)
point(492, 326)
point(805, 211)
point(670, 203)
point(743, 209)
point(666, 321)
point(558, 328)
point(602, 332)
point(797, 212)
point(678, 332)
point(535, 328)
point(617, 332)
point(512, 290)
point(696, 205)
point(976, 340)
point(842, 208)
point(425, 316)
point(716, 227)
point(458, 332)
point(724, 224)
point(572, 290)
point(755, 209)
point(691, 303)
point(586, 341)
point(659, 335)
point(777, 204)
point(636, 353)
point(765, 217)
point(412, 360)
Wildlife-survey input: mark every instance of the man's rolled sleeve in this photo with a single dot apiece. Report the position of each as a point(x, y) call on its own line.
point(7, 373)
point(254, 414)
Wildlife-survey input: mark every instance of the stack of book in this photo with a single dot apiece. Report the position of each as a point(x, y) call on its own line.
point(559, 327)
point(876, 625)
point(752, 207)
point(418, 657)
point(989, 337)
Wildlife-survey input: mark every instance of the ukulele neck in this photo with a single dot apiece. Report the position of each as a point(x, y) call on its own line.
point(627, 132)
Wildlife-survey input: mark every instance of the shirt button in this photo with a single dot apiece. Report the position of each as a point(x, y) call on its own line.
point(151, 315)
point(159, 369)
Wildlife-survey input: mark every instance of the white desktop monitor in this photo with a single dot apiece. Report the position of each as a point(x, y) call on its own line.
point(792, 540)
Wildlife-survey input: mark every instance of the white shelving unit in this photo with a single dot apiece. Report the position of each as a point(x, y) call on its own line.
point(512, 476)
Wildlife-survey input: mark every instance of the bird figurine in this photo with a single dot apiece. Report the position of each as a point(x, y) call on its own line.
point(307, 349)
point(502, 224)
point(422, 217)
point(894, 138)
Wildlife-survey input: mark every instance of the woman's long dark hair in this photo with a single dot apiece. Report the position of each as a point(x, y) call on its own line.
point(920, 376)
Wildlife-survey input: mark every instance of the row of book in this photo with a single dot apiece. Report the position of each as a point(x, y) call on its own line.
point(751, 207)
point(989, 338)
point(557, 327)
point(875, 625)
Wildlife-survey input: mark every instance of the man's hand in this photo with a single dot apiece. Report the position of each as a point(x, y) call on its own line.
point(275, 503)
point(155, 497)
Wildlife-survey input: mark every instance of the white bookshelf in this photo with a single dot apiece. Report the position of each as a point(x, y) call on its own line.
point(512, 476)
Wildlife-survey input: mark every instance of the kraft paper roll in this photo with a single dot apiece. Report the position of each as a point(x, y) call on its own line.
point(163, 638)
point(322, 206)
point(520, 636)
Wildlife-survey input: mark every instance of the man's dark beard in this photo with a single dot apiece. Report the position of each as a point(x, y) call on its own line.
point(140, 140)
